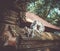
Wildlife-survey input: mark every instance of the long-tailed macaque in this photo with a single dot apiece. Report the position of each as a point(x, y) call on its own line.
point(36, 26)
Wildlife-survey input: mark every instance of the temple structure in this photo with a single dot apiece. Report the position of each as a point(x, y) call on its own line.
point(30, 17)
point(13, 19)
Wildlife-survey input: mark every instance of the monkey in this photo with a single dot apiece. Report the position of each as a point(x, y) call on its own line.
point(36, 26)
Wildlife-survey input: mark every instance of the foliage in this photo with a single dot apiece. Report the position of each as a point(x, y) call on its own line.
point(47, 9)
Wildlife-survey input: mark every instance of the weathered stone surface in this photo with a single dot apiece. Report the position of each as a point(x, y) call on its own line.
point(39, 36)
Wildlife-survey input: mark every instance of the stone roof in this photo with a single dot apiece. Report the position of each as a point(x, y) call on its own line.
point(30, 17)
